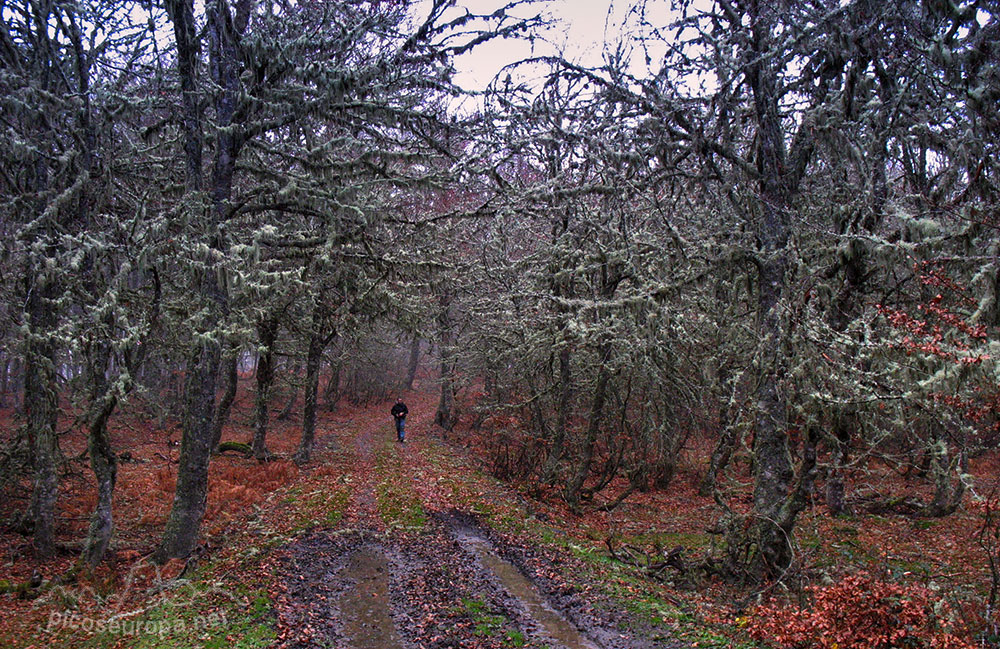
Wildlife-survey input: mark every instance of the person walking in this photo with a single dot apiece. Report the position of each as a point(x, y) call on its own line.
point(398, 412)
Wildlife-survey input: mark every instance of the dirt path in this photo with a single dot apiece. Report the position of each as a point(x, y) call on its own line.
point(407, 568)
point(549, 622)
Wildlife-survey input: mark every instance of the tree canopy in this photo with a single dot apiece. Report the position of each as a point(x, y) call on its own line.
point(780, 234)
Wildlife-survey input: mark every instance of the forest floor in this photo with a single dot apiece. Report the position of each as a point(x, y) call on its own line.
point(377, 544)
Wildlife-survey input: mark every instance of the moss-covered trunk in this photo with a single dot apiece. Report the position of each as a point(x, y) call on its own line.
point(202, 369)
point(314, 357)
point(331, 393)
point(582, 468)
point(774, 509)
point(445, 415)
point(267, 332)
point(105, 466)
point(230, 380)
point(41, 408)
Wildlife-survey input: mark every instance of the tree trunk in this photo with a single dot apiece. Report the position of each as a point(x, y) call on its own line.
point(773, 471)
point(561, 288)
point(445, 415)
point(181, 531)
point(41, 396)
point(286, 412)
point(181, 14)
point(4, 380)
point(772, 462)
point(593, 428)
point(947, 497)
point(188, 509)
point(558, 445)
point(267, 332)
point(314, 357)
point(231, 379)
point(720, 456)
point(411, 372)
point(331, 393)
point(105, 466)
point(41, 407)
point(727, 433)
point(840, 453)
point(102, 457)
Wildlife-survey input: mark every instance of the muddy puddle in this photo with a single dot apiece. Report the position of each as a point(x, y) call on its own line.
point(549, 620)
point(365, 607)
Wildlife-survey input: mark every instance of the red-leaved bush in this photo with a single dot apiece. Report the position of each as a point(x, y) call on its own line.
point(859, 612)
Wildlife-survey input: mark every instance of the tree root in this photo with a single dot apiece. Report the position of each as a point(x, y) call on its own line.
point(652, 565)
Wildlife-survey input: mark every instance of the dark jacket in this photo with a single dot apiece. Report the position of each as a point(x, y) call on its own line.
point(399, 410)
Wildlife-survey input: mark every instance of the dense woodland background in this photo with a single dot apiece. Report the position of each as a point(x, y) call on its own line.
point(781, 236)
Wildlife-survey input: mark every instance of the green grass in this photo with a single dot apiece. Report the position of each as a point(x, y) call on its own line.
point(490, 625)
point(396, 502)
point(399, 509)
point(666, 540)
point(292, 495)
point(317, 508)
point(845, 531)
point(333, 504)
point(336, 506)
point(672, 623)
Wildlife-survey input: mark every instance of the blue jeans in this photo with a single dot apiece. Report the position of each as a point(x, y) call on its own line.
point(400, 432)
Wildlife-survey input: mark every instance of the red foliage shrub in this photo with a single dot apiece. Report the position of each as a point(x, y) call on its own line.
point(859, 612)
point(165, 479)
point(235, 487)
point(153, 492)
point(231, 489)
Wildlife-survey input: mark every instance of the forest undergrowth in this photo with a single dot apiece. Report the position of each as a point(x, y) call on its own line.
point(862, 580)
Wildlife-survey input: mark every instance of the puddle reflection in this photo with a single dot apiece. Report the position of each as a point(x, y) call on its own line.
point(554, 624)
point(365, 608)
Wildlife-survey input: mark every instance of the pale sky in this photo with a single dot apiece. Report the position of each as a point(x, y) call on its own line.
point(579, 32)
